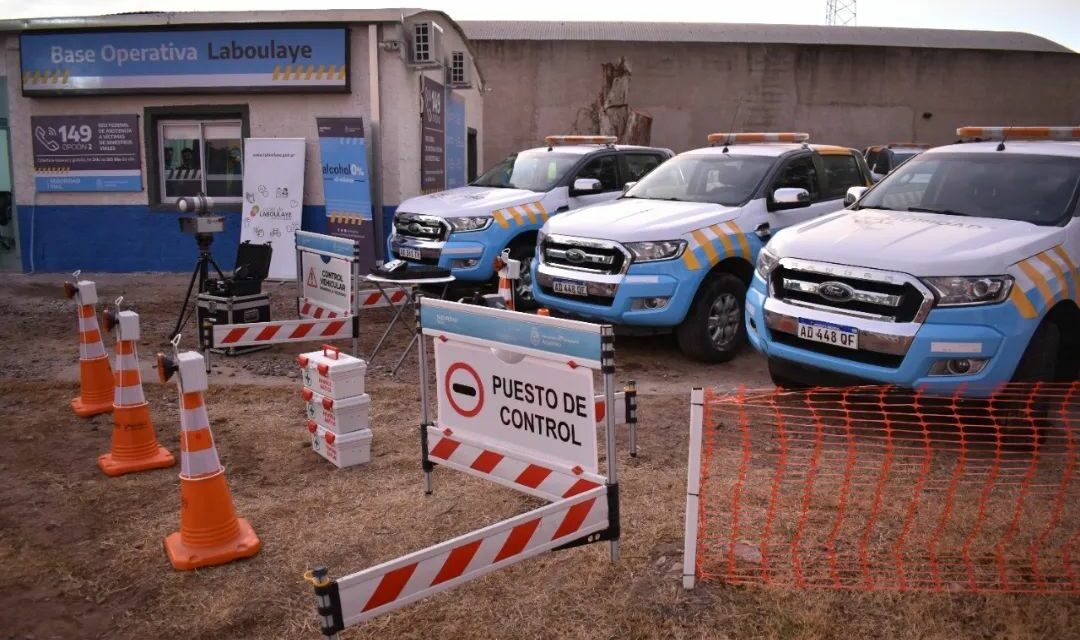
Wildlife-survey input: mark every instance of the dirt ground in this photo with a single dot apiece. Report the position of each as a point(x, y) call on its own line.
point(81, 554)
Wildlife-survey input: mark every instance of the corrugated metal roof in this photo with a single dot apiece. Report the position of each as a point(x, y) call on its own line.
point(758, 33)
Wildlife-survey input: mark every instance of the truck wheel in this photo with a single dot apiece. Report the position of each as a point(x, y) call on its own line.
point(782, 380)
point(1040, 359)
point(523, 293)
point(713, 330)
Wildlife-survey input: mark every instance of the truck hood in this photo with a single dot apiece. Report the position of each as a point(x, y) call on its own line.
point(920, 244)
point(468, 201)
point(635, 220)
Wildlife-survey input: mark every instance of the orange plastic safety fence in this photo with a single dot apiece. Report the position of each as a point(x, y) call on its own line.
point(877, 488)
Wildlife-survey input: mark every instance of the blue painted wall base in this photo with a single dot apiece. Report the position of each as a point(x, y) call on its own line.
point(125, 238)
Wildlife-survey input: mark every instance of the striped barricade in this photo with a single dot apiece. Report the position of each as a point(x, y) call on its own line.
point(281, 332)
point(389, 586)
point(548, 480)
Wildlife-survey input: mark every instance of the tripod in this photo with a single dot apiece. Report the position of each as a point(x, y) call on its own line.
point(200, 274)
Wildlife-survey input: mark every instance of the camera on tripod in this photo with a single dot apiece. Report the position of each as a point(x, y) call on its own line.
point(201, 222)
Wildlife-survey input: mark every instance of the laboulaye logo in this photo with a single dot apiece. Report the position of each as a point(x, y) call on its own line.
point(534, 337)
point(835, 291)
point(575, 255)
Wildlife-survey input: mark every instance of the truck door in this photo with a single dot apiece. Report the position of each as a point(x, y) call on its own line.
point(800, 172)
point(604, 168)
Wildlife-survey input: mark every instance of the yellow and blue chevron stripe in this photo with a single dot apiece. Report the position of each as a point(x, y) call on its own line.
point(308, 72)
point(1044, 280)
point(709, 245)
point(518, 215)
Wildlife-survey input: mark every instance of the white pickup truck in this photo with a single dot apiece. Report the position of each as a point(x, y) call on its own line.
point(958, 268)
point(677, 251)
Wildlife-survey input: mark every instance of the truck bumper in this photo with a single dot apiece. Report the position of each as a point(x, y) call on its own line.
point(994, 336)
point(469, 261)
point(622, 299)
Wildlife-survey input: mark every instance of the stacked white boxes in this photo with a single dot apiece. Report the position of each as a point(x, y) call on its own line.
point(337, 407)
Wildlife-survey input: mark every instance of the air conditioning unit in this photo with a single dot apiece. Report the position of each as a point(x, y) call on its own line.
point(457, 72)
point(426, 44)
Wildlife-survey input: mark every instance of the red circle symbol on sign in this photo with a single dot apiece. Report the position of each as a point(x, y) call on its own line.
point(452, 389)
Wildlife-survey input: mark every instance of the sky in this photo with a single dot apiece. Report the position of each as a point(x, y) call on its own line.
point(1058, 20)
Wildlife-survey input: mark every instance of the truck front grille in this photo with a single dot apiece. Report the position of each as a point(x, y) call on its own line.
point(421, 227)
point(584, 254)
point(850, 291)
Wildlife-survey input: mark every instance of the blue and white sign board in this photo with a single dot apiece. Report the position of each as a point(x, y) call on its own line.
point(346, 188)
point(540, 336)
point(536, 398)
point(185, 60)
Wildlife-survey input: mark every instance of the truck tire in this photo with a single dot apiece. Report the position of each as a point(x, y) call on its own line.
point(1040, 359)
point(714, 330)
point(523, 295)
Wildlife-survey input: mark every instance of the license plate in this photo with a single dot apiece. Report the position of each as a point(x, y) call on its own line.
point(409, 253)
point(828, 333)
point(570, 287)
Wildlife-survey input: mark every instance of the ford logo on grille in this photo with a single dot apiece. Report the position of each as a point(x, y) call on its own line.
point(575, 255)
point(415, 228)
point(835, 291)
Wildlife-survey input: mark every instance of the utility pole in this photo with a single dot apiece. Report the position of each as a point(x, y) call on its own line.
point(840, 12)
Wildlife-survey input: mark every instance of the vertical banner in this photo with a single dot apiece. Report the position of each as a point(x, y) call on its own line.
point(432, 136)
point(456, 166)
point(346, 186)
point(86, 153)
point(273, 198)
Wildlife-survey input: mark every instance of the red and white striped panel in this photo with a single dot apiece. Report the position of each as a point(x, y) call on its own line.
point(620, 408)
point(509, 468)
point(244, 335)
point(311, 309)
point(373, 298)
point(372, 592)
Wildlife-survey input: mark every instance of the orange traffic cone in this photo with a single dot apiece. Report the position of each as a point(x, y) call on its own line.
point(543, 312)
point(506, 287)
point(210, 532)
point(95, 375)
point(134, 444)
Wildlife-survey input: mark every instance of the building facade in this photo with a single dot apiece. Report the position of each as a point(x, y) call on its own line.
point(193, 86)
point(854, 86)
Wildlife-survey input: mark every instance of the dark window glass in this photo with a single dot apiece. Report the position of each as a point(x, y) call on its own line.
point(800, 173)
point(843, 172)
point(603, 169)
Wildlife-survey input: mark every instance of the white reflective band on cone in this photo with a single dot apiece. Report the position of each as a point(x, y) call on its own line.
point(127, 362)
point(194, 464)
point(128, 396)
point(88, 324)
point(194, 419)
point(92, 350)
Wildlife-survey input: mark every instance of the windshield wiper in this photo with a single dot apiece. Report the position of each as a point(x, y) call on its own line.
point(947, 212)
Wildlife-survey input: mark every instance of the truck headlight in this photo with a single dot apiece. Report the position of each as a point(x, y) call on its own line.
point(469, 223)
point(766, 262)
point(953, 291)
point(653, 251)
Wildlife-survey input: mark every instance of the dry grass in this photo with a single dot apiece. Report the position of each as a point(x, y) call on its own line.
point(81, 555)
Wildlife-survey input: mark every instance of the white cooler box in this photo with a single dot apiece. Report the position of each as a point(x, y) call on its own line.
point(340, 416)
point(332, 373)
point(344, 450)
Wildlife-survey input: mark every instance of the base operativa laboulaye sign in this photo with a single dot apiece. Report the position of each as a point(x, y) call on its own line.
point(271, 59)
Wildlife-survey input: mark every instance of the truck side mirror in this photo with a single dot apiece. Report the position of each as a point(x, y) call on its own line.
point(790, 198)
point(583, 186)
point(628, 186)
point(853, 194)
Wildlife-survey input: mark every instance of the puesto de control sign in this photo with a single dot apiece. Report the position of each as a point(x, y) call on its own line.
point(185, 60)
point(539, 407)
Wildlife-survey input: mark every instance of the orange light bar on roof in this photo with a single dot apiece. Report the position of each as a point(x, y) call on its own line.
point(1049, 133)
point(748, 138)
point(909, 145)
point(554, 140)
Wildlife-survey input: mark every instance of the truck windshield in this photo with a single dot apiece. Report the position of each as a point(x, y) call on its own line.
point(532, 170)
point(726, 179)
point(1039, 189)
